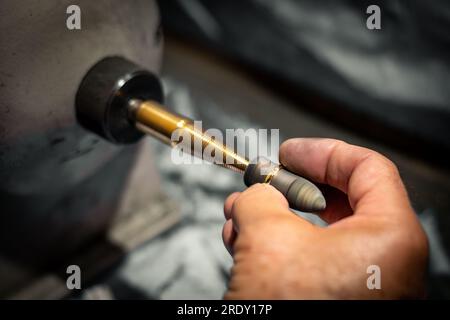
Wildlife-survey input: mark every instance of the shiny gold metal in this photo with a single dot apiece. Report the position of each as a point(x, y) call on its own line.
point(270, 175)
point(152, 118)
point(176, 130)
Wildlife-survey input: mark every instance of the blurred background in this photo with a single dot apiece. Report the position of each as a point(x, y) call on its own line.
point(311, 69)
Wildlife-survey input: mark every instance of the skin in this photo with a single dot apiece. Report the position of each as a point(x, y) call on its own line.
point(279, 255)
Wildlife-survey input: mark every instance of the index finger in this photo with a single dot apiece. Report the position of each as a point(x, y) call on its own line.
point(370, 180)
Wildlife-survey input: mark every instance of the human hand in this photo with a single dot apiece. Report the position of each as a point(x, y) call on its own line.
point(279, 255)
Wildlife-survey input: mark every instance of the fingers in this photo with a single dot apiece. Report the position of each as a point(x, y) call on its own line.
point(252, 205)
point(229, 204)
point(255, 205)
point(370, 180)
point(229, 235)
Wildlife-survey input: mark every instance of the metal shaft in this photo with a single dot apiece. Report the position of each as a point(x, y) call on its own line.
point(152, 118)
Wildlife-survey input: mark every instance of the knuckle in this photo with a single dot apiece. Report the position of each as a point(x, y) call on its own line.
point(231, 198)
point(390, 166)
point(382, 162)
point(237, 205)
point(336, 142)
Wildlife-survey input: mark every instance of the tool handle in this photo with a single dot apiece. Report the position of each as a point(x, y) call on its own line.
point(300, 193)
